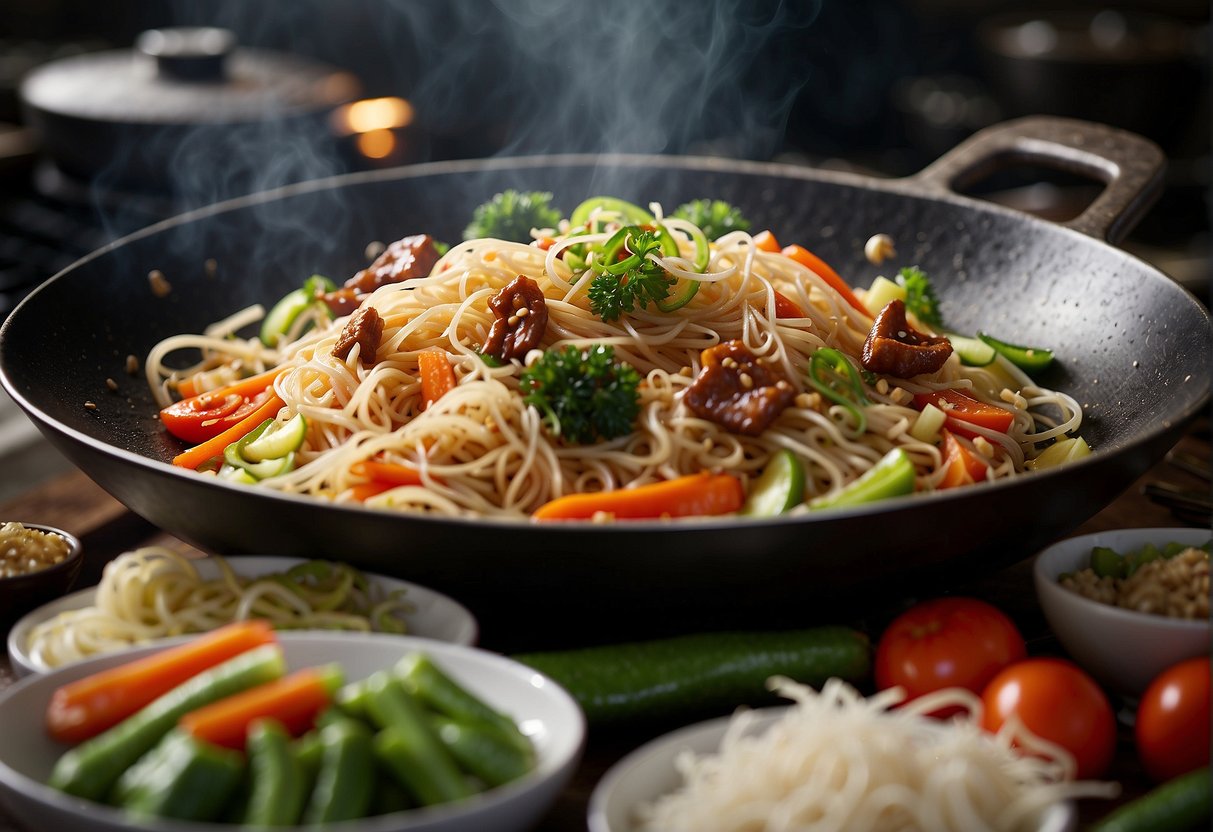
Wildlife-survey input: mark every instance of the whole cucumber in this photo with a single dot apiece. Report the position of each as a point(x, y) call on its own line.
point(695, 674)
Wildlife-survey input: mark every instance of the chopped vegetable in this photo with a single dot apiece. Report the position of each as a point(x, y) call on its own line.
point(698, 674)
point(961, 466)
point(345, 778)
point(388, 473)
point(622, 286)
point(236, 456)
point(765, 241)
point(86, 707)
point(1059, 453)
point(779, 489)
point(437, 376)
point(787, 308)
point(277, 791)
point(1178, 805)
point(583, 394)
point(214, 447)
point(276, 441)
point(440, 692)
point(1029, 359)
point(510, 215)
point(482, 750)
point(822, 269)
point(920, 296)
point(961, 408)
point(892, 476)
point(89, 770)
point(973, 352)
point(629, 213)
point(206, 415)
point(180, 778)
point(834, 377)
point(695, 495)
point(928, 424)
point(716, 217)
point(881, 293)
point(294, 700)
point(286, 311)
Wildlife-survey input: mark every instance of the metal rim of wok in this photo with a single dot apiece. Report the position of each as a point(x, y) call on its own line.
point(84, 321)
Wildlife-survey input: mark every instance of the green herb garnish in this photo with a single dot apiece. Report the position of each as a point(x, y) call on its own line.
point(583, 394)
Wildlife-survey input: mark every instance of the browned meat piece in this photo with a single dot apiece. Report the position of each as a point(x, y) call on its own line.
point(897, 349)
point(404, 259)
point(364, 327)
point(737, 390)
point(522, 316)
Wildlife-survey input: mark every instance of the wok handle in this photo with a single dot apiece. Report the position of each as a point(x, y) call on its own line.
point(1130, 166)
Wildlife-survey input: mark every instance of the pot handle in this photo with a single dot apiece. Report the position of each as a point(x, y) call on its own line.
point(1130, 166)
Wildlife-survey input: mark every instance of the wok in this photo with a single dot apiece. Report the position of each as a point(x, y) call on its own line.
point(1134, 349)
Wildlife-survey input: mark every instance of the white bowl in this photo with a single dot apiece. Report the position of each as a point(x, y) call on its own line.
point(1121, 648)
point(543, 710)
point(433, 614)
point(648, 773)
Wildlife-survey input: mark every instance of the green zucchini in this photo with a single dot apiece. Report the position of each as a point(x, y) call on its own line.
point(699, 674)
point(1175, 806)
point(780, 488)
point(973, 352)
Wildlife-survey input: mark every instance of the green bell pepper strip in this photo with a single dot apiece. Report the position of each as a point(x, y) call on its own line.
point(440, 692)
point(483, 750)
point(834, 377)
point(287, 310)
point(278, 787)
point(90, 769)
point(407, 746)
point(892, 476)
point(345, 781)
point(1028, 359)
point(633, 214)
point(182, 777)
point(779, 488)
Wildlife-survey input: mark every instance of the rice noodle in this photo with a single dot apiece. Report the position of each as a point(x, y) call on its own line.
point(837, 761)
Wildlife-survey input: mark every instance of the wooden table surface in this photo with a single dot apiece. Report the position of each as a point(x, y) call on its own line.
point(75, 503)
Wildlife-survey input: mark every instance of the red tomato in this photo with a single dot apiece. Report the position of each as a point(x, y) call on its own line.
point(1173, 721)
point(1056, 701)
point(947, 642)
point(206, 415)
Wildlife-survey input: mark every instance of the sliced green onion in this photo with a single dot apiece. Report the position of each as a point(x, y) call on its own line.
point(633, 214)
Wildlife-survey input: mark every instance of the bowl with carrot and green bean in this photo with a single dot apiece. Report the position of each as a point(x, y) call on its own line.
point(376, 733)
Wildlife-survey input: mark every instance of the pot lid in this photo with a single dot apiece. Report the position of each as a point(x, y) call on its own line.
point(184, 76)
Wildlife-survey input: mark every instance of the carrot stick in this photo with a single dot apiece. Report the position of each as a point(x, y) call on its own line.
point(187, 388)
point(386, 472)
point(363, 491)
point(437, 377)
point(84, 708)
point(245, 387)
point(214, 446)
point(785, 307)
point(293, 700)
point(815, 264)
point(765, 241)
point(693, 495)
point(962, 466)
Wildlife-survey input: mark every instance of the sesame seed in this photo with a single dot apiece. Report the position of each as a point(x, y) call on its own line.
point(512, 320)
point(132, 365)
point(160, 285)
point(111, 384)
point(90, 406)
point(523, 312)
point(746, 381)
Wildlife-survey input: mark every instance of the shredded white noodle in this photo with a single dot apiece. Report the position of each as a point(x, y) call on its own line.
point(837, 761)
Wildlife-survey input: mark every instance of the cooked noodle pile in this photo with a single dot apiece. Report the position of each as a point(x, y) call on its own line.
point(837, 761)
point(483, 452)
point(155, 593)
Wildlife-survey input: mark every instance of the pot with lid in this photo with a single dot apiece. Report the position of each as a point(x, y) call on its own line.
point(186, 104)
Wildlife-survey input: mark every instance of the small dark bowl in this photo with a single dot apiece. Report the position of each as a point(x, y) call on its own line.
point(22, 593)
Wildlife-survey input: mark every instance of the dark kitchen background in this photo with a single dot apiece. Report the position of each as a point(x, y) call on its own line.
point(105, 129)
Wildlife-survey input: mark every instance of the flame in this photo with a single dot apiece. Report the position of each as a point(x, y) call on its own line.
point(373, 114)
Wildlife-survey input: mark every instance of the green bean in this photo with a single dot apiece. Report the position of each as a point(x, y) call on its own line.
point(443, 694)
point(483, 750)
point(181, 777)
point(278, 782)
point(345, 782)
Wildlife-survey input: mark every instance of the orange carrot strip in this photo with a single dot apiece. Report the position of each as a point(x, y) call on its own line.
point(785, 307)
point(437, 376)
point(963, 467)
point(386, 472)
point(245, 387)
point(690, 496)
point(214, 446)
point(814, 263)
point(84, 708)
point(187, 388)
point(765, 241)
point(363, 491)
point(293, 700)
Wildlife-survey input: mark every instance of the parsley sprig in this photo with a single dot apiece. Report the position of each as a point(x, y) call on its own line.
point(631, 283)
point(920, 296)
point(714, 216)
point(583, 394)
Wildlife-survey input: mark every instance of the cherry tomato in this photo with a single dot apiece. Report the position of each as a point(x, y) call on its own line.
point(1056, 701)
point(206, 415)
point(1173, 721)
point(947, 642)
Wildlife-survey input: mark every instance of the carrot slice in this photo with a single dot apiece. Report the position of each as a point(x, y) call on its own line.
point(690, 496)
point(246, 387)
point(822, 269)
point(388, 473)
point(786, 307)
point(765, 241)
point(214, 446)
point(437, 375)
point(962, 466)
point(293, 700)
point(84, 708)
point(962, 409)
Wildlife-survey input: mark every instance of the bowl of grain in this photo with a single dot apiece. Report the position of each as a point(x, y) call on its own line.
point(37, 565)
point(1128, 604)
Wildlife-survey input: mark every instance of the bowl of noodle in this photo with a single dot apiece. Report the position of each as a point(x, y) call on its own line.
point(835, 760)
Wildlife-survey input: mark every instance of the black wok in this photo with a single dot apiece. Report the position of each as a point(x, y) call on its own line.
point(1134, 350)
